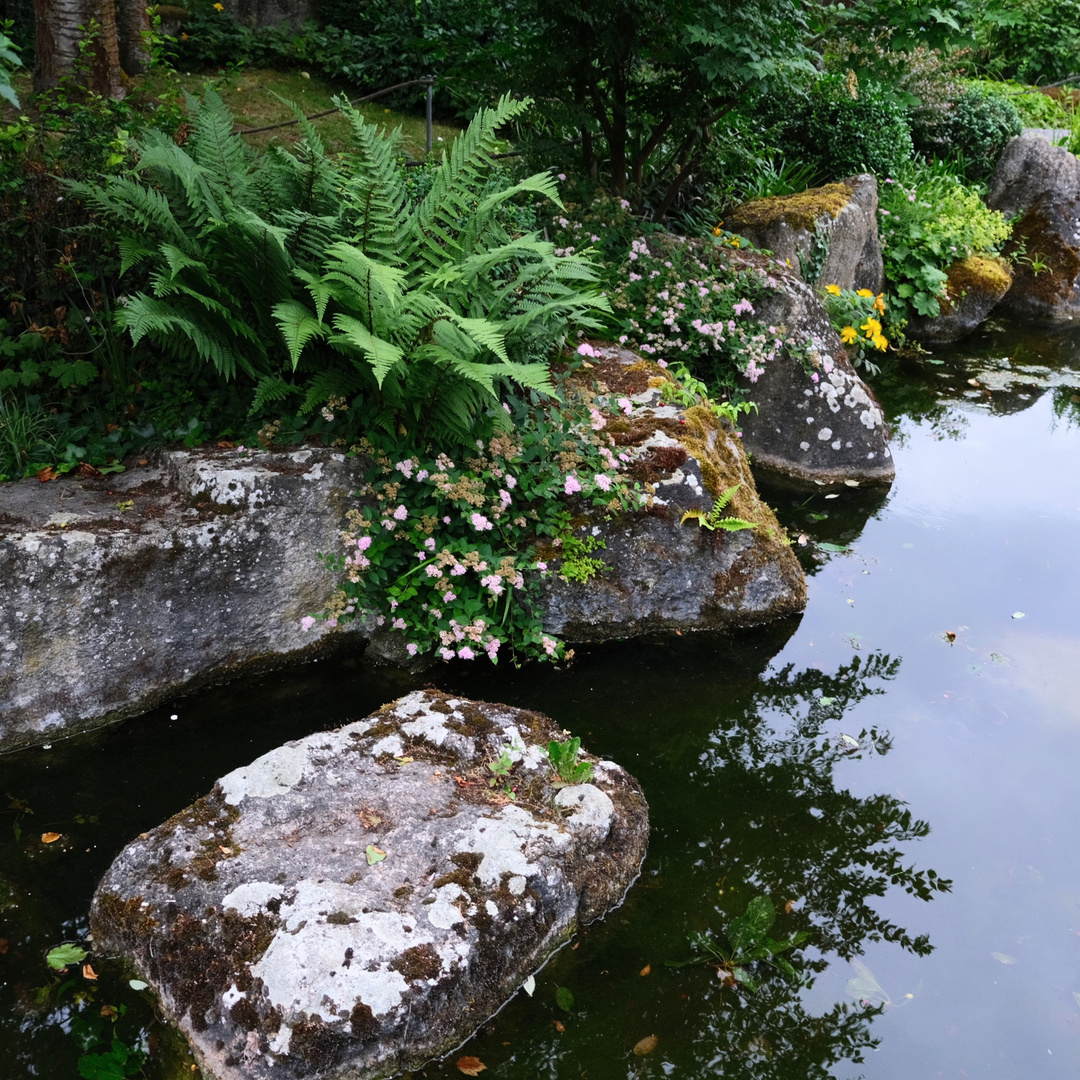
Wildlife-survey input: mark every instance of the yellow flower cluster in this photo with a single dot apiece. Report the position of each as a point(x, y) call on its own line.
point(872, 327)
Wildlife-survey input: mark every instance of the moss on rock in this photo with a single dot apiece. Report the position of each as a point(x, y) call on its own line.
point(800, 211)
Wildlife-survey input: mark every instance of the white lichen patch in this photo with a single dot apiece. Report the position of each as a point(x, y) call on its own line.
point(590, 810)
point(321, 964)
point(510, 843)
point(272, 774)
point(251, 898)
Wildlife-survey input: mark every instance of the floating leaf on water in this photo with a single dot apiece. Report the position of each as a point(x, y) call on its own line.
point(813, 515)
point(950, 636)
point(50, 837)
point(998, 658)
point(851, 483)
point(564, 998)
point(851, 602)
point(823, 700)
point(374, 855)
point(832, 495)
point(848, 743)
point(1018, 614)
point(803, 540)
point(88, 972)
point(59, 957)
point(470, 1066)
point(137, 984)
point(559, 1025)
point(865, 987)
point(1004, 958)
point(529, 985)
point(840, 548)
point(645, 970)
point(646, 1045)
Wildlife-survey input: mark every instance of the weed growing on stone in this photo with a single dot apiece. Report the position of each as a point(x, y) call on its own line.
point(715, 519)
point(850, 308)
point(564, 761)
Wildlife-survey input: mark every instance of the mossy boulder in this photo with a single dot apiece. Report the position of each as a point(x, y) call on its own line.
point(826, 235)
point(356, 903)
point(974, 287)
point(655, 570)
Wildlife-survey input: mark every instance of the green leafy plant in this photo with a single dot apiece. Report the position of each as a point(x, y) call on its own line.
point(747, 944)
point(684, 389)
point(715, 518)
point(577, 563)
point(9, 61)
point(60, 956)
point(849, 309)
point(27, 435)
point(565, 764)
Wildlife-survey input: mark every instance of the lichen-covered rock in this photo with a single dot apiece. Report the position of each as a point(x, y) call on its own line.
point(119, 592)
point(355, 903)
point(817, 421)
point(973, 289)
point(656, 573)
point(827, 235)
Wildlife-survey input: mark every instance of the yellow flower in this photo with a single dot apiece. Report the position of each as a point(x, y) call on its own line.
point(834, 289)
point(716, 231)
point(872, 327)
point(864, 292)
point(735, 243)
point(848, 334)
point(219, 7)
point(879, 305)
point(879, 341)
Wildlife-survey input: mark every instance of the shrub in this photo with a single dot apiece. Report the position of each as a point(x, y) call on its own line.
point(852, 126)
point(976, 129)
point(930, 221)
point(1034, 41)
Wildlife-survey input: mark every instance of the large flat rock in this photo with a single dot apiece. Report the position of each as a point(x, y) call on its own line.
point(357, 902)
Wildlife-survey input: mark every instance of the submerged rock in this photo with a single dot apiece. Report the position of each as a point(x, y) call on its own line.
point(355, 903)
point(653, 571)
point(827, 235)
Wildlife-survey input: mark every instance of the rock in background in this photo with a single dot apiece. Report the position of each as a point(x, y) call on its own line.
point(1040, 184)
point(975, 286)
point(357, 902)
point(827, 235)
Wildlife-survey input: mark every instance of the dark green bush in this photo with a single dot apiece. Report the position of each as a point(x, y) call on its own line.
point(981, 123)
point(1034, 41)
point(850, 129)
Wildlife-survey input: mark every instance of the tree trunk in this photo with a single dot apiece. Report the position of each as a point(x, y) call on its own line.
point(65, 25)
point(133, 25)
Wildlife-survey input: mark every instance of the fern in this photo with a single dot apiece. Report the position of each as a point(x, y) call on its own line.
point(714, 519)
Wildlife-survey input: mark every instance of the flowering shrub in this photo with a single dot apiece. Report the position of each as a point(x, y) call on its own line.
point(848, 309)
point(675, 299)
point(446, 551)
point(929, 221)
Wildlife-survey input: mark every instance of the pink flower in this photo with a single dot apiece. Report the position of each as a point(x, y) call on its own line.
point(598, 422)
point(363, 543)
point(479, 522)
point(815, 377)
point(626, 405)
point(585, 349)
point(398, 624)
point(661, 363)
point(449, 597)
point(400, 514)
point(423, 474)
point(306, 623)
point(511, 482)
point(466, 653)
point(457, 570)
point(541, 566)
point(572, 485)
point(389, 524)
point(446, 653)
point(429, 543)
point(412, 648)
point(405, 467)
point(602, 482)
point(433, 571)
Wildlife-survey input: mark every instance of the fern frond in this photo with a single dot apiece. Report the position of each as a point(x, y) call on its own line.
point(271, 388)
point(334, 382)
point(297, 327)
point(354, 337)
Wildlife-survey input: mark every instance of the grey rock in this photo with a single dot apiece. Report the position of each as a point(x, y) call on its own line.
point(118, 593)
point(1048, 232)
point(838, 220)
point(822, 426)
point(657, 573)
point(1028, 169)
point(280, 950)
point(975, 287)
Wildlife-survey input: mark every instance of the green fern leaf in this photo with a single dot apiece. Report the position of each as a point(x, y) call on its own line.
point(297, 327)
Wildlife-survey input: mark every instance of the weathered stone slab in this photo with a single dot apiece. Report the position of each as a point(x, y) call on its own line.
point(817, 421)
point(1027, 170)
point(118, 593)
point(657, 573)
point(827, 235)
point(357, 902)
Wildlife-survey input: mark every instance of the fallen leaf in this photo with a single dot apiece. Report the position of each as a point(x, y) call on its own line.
point(137, 984)
point(144, 461)
point(374, 855)
point(564, 998)
point(59, 957)
point(560, 1026)
point(404, 760)
point(124, 505)
point(646, 1045)
point(50, 837)
point(1017, 614)
point(950, 636)
point(470, 1066)
point(645, 970)
point(87, 471)
point(529, 985)
point(88, 972)
point(47, 474)
point(108, 1011)
point(832, 496)
point(788, 906)
point(369, 819)
point(1004, 958)
point(803, 539)
point(224, 444)
point(852, 483)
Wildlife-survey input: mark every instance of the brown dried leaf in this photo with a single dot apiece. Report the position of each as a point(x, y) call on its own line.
point(788, 906)
point(645, 970)
point(470, 1066)
point(51, 837)
point(47, 474)
point(369, 819)
point(108, 1011)
point(560, 1026)
point(646, 1045)
point(88, 972)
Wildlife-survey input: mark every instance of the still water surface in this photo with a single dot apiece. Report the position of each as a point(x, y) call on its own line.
point(966, 773)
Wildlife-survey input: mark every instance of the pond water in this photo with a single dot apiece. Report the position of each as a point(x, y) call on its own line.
point(896, 770)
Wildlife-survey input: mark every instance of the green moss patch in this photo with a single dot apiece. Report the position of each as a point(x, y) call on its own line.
point(800, 211)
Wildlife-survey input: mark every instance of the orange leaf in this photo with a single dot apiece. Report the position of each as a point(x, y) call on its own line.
point(788, 906)
point(560, 1026)
point(108, 1012)
point(646, 1045)
point(47, 474)
point(88, 972)
point(470, 1066)
point(50, 837)
point(645, 970)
